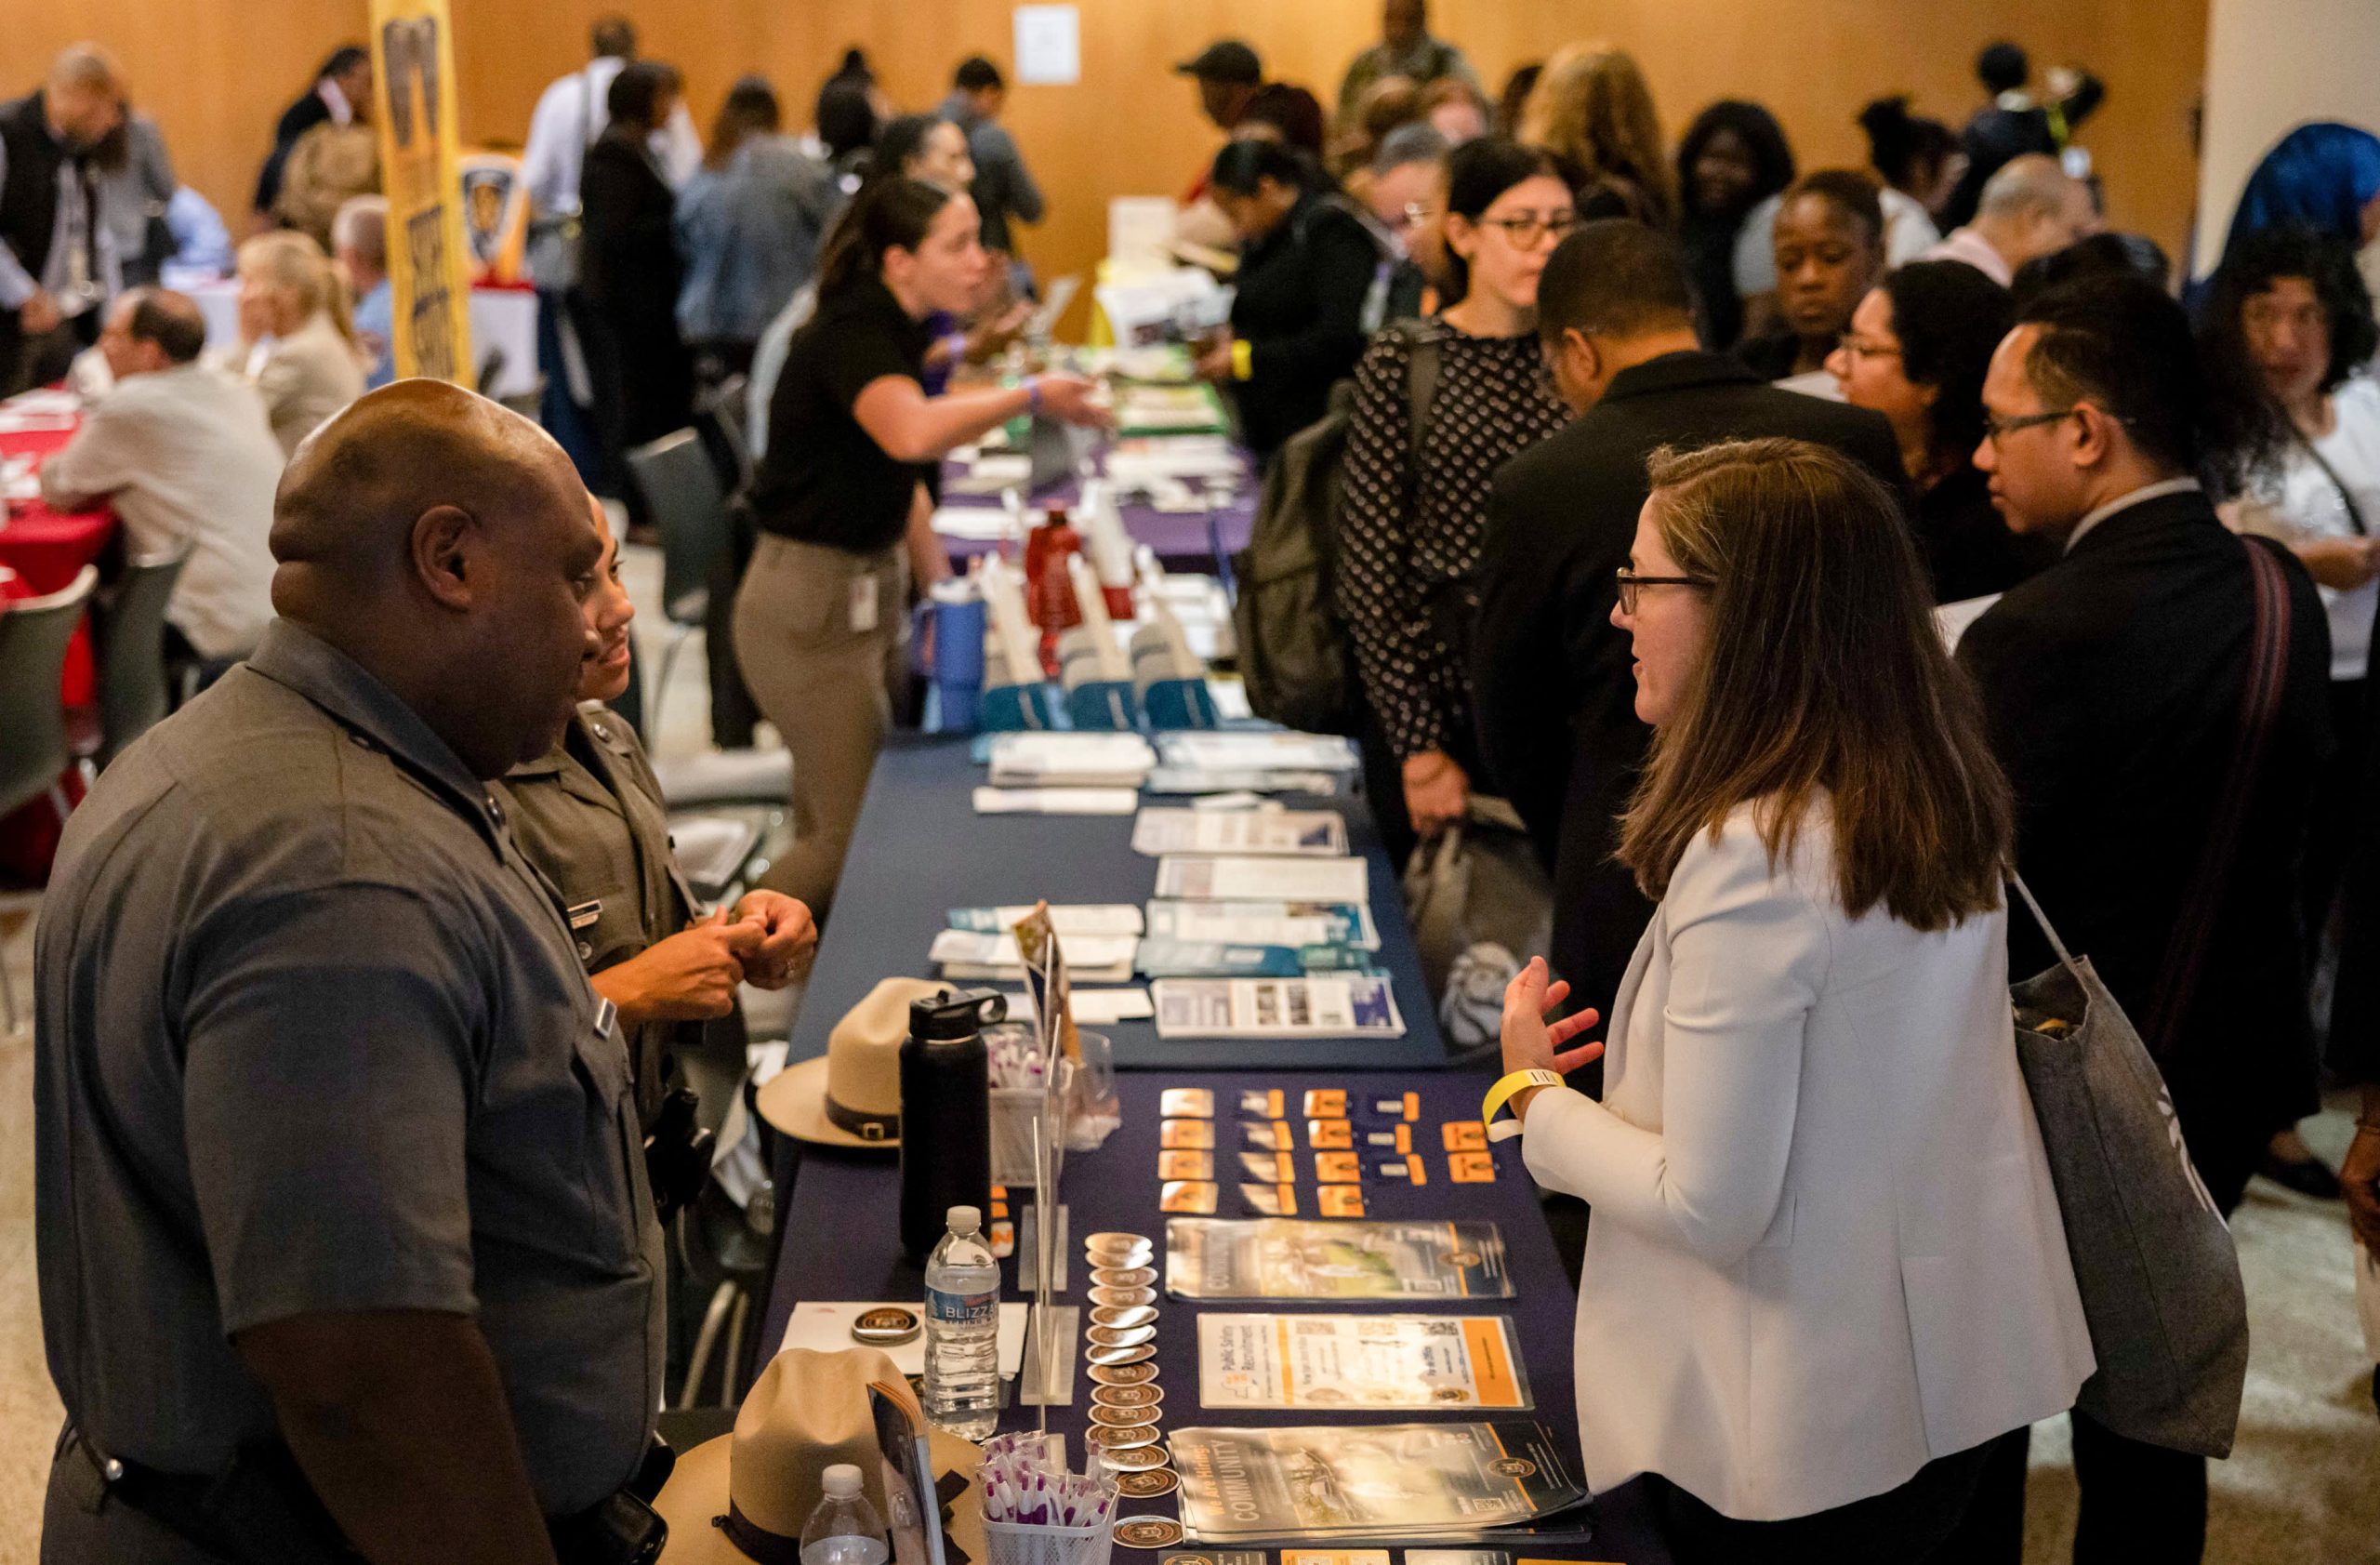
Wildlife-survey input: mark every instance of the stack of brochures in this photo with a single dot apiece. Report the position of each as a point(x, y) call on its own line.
point(1380, 1482)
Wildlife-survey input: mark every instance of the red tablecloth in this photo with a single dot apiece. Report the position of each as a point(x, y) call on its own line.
point(41, 551)
point(46, 548)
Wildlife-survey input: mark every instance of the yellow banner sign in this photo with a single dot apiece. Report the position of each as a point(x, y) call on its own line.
point(413, 65)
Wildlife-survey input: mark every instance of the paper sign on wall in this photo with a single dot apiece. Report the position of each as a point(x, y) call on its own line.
point(1049, 46)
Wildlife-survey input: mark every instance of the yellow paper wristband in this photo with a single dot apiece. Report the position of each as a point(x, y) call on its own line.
point(1243, 359)
point(1503, 1091)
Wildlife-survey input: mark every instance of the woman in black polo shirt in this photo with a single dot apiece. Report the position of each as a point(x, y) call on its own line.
point(821, 620)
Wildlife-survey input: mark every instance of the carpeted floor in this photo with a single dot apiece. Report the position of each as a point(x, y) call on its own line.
point(2302, 1487)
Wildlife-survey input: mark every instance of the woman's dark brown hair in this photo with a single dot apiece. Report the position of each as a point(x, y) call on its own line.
point(1825, 673)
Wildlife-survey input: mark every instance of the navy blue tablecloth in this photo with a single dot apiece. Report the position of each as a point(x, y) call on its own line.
point(839, 1243)
point(921, 850)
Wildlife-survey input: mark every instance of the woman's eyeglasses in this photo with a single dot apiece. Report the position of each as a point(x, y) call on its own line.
point(1854, 348)
point(1630, 584)
point(1525, 229)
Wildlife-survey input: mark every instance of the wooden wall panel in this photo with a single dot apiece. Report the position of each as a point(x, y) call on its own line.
point(215, 72)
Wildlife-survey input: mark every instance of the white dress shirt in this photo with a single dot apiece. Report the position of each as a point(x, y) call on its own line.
point(187, 459)
point(2303, 501)
point(1826, 1249)
point(571, 113)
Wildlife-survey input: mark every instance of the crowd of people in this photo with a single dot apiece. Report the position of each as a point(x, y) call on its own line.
point(1667, 471)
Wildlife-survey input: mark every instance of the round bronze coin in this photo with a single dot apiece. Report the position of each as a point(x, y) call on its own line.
point(1111, 1260)
point(888, 1327)
point(1147, 1531)
point(1122, 1374)
point(1120, 1336)
point(1110, 1358)
point(1136, 1459)
point(1127, 1396)
point(1148, 1485)
point(1125, 1418)
point(1123, 1317)
point(1116, 1242)
point(1124, 1277)
point(1102, 1437)
point(1120, 1297)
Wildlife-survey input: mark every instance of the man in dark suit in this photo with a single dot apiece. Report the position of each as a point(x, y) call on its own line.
point(2116, 683)
point(340, 93)
point(1557, 695)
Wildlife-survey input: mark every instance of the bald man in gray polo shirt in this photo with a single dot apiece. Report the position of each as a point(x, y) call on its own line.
point(336, 1156)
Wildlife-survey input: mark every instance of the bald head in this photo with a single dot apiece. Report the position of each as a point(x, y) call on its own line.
point(444, 543)
point(84, 93)
point(2031, 206)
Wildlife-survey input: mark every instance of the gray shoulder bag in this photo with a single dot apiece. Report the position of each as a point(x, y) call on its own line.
point(2153, 1258)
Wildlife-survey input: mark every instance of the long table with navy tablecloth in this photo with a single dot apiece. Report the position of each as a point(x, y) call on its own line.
point(919, 850)
point(840, 1243)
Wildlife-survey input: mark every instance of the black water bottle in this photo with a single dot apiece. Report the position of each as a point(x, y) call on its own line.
point(946, 1114)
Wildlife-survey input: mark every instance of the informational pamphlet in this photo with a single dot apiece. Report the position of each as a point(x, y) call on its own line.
point(1439, 1362)
point(1056, 801)
point(1069, 919)
point(1319, 1005)
point(1198, 879)
point(1281, 1258)
point(1310, 833)
point(1380, 1482)
point(964, 953)
point(1266, 923)
point(1215, 958)
point(1268, 749)
point(1070, 759)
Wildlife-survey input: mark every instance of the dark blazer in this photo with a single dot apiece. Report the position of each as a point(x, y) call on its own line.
point(1300, 305)
point(629, 277)
point(2113, 684)
point(1556, 699)
point(298, 118)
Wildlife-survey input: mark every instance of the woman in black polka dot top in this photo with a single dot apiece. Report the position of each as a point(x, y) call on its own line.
point(1414, 523)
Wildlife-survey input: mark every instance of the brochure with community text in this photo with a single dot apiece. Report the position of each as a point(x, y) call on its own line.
point(1438, 1362)
point(1325, 1261)
point(1383, 1481)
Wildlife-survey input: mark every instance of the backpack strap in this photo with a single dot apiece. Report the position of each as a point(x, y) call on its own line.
point(2260, 698)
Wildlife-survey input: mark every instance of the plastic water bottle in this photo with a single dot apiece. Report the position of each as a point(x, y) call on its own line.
point(963, 1330)
point(844, 1530)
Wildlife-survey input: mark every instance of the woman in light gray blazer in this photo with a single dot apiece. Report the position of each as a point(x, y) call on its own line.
point(1827, 1267)
point(299, 331)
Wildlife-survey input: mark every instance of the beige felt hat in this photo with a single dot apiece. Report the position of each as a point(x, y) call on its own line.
point(743, 1497)
point(853, 1096)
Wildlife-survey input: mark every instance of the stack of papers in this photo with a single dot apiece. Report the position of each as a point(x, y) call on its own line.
point(1266, 923)
point(1300, 833)
point(1056, 801)
point(966, 954)
point(1246, 749)
point(1071, 760)
point(1193, 879)
point(1066, 918)
point(1319, 1005)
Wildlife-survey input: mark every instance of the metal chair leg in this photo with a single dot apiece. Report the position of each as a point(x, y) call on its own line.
point(678, 636)
point(705, 1340)
point(727, 1368)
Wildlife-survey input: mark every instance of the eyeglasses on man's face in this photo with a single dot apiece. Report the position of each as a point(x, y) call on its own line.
point(1856, 347)
point(1630, 584)
point(1997, 430)
point(1416, 214)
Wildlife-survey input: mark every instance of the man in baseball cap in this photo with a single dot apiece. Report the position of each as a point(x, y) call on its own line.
point(1228, 74)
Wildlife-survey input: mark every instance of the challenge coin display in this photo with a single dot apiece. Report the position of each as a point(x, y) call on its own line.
point(1103, 1436)
point(1127, 1396)
point(1148, 1485)
point(1121, 1296)
point(1120, 1336)
point(888, 1327)
point(1123, 1315)
point(1147, 1531)
point(1125, 1418)
point(1136, 1459)
point(1122, 1374)
point(1140, 1274)
point(1103, 1358)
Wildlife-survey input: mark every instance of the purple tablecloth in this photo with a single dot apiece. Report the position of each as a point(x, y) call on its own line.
point(840, 1245)
point(1182, 542)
